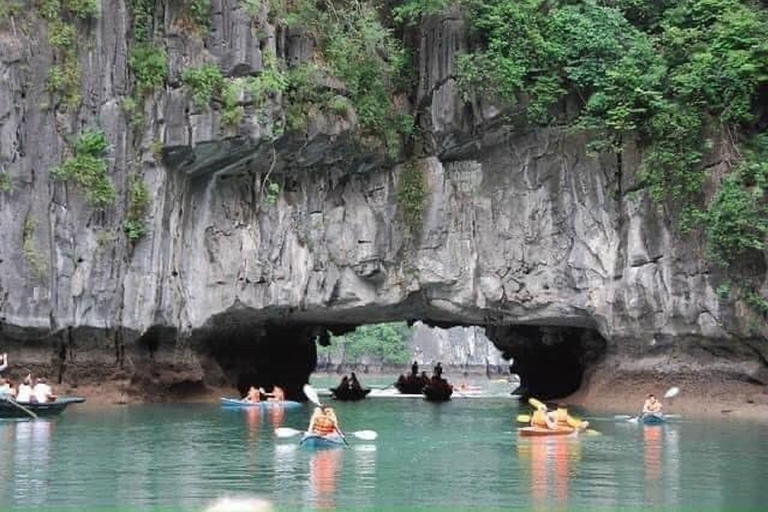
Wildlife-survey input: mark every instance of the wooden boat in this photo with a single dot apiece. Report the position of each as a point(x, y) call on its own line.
point(438, 392)
point(411, 385)
point(264, 404)
point(543, 432)
point(9, 409)
point(652, 419)
point(317, 441)
point(348, 393)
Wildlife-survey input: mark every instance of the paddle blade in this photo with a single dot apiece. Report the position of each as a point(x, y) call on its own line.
point(523, 418)
point(366, 435)
point(592, 432)
point(286, 432)
point(672, 392)
point(311, 394)
point(623, 417)
point(536, 403)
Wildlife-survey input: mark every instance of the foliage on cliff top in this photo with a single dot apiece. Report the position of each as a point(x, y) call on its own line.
point(665, 73)
point(356, 49)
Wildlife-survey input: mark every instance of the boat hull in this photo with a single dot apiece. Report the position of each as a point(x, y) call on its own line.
point(349, 394)
point(544, 432)
point(10, 411)
point(318, 441)
point(438, 393)
point(238, 403)
point(652, 419)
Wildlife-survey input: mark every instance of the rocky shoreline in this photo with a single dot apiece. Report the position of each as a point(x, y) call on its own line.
point(603, 391)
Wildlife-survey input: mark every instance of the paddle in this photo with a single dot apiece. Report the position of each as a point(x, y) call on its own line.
point(365, 435)
point(17, 404)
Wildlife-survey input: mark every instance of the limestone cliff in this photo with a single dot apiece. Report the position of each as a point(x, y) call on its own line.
point(557, 253)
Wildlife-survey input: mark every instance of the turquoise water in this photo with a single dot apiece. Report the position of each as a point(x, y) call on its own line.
point(460, 455)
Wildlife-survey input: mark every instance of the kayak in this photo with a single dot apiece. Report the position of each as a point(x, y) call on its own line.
point(236, 402)
point(652, 419)
point(542, 432)
point(318, 441)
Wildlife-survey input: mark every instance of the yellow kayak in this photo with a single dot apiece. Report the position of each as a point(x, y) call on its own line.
point(539, 432)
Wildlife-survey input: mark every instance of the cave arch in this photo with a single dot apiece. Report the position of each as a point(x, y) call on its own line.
point(551, 361)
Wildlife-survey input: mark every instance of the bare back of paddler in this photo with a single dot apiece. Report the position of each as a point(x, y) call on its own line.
point(253, 396)
point(277, 395)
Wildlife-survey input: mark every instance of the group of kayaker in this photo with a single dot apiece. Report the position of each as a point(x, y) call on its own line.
point(255, 394)
point(559, 419)
point(30, 390)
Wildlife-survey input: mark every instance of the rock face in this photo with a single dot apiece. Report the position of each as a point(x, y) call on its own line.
point(558, 253)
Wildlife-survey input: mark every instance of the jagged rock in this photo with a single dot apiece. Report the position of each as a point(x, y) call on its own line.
point(523, 232)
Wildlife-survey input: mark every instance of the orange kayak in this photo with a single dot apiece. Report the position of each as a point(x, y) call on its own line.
point(538, 431)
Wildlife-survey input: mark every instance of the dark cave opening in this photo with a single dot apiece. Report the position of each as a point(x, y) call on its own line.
point(551, 361)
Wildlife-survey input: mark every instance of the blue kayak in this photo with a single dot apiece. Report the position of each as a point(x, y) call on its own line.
point(235, 402)
point(318, 441)
point(652, 419)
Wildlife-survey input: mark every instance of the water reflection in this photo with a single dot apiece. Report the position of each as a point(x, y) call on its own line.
point(32, 454)
point(324, 468)
point(365, 473)
point(661, 454)
point(253, 419)
point(277, 414)
point(551, 461)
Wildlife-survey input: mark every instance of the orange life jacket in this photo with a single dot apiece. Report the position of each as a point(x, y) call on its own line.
point(323, 425)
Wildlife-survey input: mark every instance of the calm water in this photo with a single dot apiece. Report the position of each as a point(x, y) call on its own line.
point(459, 455)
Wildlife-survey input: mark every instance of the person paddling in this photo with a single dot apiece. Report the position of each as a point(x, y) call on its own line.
point(652, 406)
point(323, 421)
point(540, 418)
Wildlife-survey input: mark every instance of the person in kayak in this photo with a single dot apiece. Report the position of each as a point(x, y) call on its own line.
point(562, 419)
point(354, 384)
point(540, 418)
point(651, 405)
point(277, 394)
point(253, 396)
point(323, 421)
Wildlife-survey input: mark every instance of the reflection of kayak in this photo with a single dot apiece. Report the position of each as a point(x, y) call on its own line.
point(235, 402)
point(318, 441)
point(652, 419)
point(540, 432)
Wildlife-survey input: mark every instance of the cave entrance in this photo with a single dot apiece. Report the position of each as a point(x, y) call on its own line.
point(551, 361)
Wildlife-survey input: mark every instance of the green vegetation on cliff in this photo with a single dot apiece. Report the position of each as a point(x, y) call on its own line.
point(686, 80)
point(377, 343)
point(88, 168)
